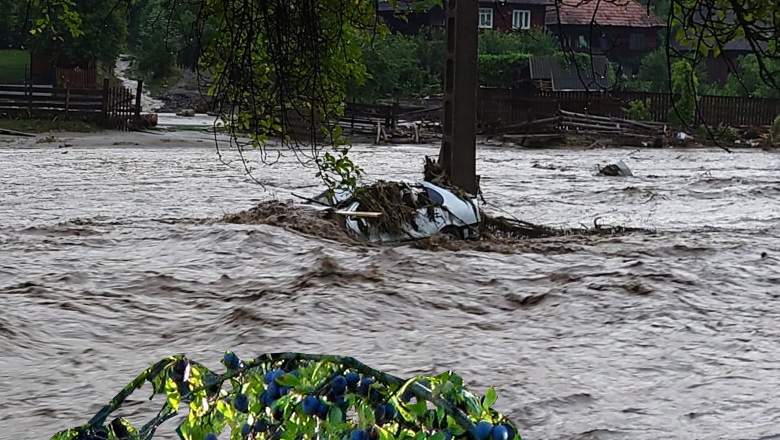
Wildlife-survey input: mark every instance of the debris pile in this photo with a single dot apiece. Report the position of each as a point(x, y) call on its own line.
point(397, 202)
point(392, 124)
point(571, 128)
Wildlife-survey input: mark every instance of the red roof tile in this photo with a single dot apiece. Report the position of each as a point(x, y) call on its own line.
point(609, 13)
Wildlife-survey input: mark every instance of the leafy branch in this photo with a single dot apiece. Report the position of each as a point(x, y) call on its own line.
point(296, 395)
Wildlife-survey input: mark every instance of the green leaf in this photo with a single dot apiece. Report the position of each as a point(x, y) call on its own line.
point(490, 399)
point(70, 434)
point(289, 380)
point(335, 415)
point(172, 394)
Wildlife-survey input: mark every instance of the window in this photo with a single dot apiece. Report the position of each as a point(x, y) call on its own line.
point(604, 42)
point(521, 19)
point(486, 18)
point(636, 43)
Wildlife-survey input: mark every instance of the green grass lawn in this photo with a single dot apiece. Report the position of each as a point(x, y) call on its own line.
point(12, 65)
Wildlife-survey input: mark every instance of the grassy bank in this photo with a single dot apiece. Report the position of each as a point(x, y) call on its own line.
point(13, 65)
point(46, 125)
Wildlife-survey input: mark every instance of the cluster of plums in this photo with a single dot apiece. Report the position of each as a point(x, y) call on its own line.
point(486, 431)
point(313, 405)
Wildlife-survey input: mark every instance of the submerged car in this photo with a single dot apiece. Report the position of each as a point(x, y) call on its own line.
point(436, 210)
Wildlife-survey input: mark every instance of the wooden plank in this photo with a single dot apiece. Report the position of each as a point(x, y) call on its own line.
point(49, 105)
point(15, 133)
point(362, 214)
point(49, 98)
point(24, 88)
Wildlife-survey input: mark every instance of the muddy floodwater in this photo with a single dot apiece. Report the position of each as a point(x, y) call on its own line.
point(107, 265)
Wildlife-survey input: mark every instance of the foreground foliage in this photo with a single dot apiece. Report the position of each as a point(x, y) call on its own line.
point(301, 396)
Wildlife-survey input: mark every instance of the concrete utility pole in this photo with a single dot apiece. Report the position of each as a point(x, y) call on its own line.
point(458, 152)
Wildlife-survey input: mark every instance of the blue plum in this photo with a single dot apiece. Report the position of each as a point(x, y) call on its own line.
point(482, 430)
point(322, 409)
point(273, 390)
point(358, 435)
point(365, 383)
point(390, 412)
point(266, 398)
point(339, 384)
point(310, 405)
point(260, 425)
point(500, 433)
point(241, 402)
point(271, 376)
point(352, 379)
point(231, 361)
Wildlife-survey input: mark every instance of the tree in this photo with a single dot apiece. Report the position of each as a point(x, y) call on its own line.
point(706, 27)
point(746, 79)
point(11, 23)
point(685, 87)
point(161, 38)
point(82, 31)
point(653, 73)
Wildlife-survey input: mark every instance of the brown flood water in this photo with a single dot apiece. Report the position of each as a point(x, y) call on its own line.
point(106, 266)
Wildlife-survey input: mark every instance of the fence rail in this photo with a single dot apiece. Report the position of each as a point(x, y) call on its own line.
point(503, 106)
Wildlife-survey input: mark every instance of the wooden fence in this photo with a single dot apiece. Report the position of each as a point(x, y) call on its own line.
point(503, 106)
point(76, 78)
point(37, 99)
point(121, 107)
point(113, 106)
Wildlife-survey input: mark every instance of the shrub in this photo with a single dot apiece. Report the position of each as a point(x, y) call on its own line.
point(639, 110)
point(775, 133)
point(501, 70)
point(748, 81)
point(409, 66)
point(653, 73)
point(685, 86)
point(528, 42)
point(401, 66)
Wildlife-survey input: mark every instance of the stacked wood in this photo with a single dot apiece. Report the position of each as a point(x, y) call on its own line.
point(392, 123)
point(570, 126)
point(591, 124)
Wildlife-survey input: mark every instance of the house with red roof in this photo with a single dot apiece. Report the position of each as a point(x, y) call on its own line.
point(622, 30)
point(503, 15)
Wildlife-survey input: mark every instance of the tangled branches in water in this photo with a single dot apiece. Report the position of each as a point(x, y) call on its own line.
point(295, 395)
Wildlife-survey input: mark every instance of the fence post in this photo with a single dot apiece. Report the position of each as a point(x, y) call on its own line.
point(138, 93)
point(29, 97)
point(105, 98)
point(67, 99)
